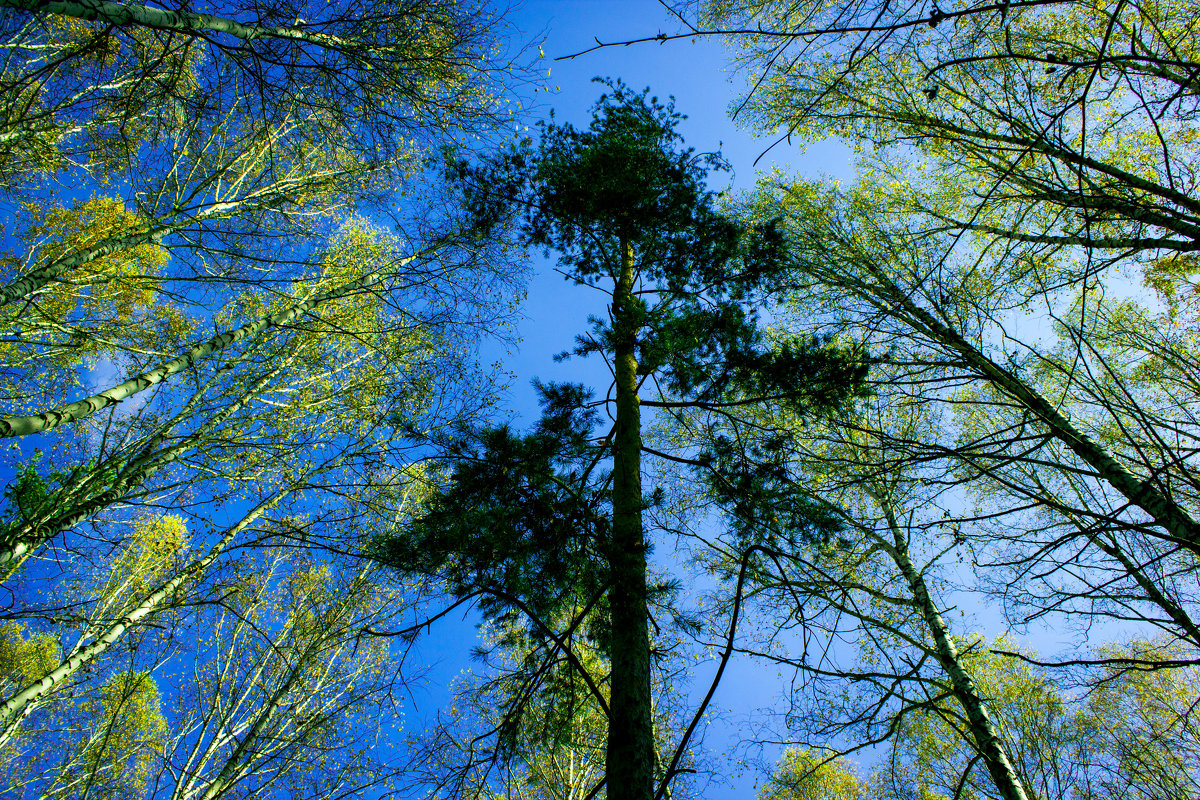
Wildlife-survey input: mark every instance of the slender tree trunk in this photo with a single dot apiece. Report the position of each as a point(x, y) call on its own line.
point(987, 739)
point(1145, 494)
point(127, 15)
point(238, 762)
point(18, 425)
point(19, 542)
point(27, 285)
point(629, 760)
point(17, 708)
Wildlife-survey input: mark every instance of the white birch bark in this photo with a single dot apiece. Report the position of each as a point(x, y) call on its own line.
point(14, 710)
point(81, 504)
point(128, 14)
point(986, 737)
point(22, 425)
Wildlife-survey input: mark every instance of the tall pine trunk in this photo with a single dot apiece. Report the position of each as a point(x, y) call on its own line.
point(629, 761)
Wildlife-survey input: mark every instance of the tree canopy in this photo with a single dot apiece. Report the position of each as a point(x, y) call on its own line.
point(249, 259)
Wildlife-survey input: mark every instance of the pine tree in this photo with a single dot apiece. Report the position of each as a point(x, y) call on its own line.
point(554, 520)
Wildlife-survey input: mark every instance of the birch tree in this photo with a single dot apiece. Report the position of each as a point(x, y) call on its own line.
point(288, 694)
point(1045, 173)
point(93, 80)
point(76, 724)
point(234, 174)
point(293, 371)
point(876, 583)
point(298, 710)
point(1054, 427)
point(125, 737)
point(807, 775)
point(137, 615)
point(1062, 125)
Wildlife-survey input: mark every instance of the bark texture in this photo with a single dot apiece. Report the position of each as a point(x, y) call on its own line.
point(629, 761)
point(987, 739)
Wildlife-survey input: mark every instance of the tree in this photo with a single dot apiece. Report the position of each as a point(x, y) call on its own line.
point(80, 409)
point(628, 213)
point(95, 80)
point(128, 736)
point(870, 598)
point(288, 692)
point(1140, 726)
point(110, 303)
point(810, 775)
point(219, 335)
point(533, 731)
point(238, 158)
point(1065, 747)
point(929, 756)
point(1043, 160)
point(1060, 125)
point(319, 367)
point(1042, 528)
point(1024, 164)
point(1089, 479)
point(275, 634)
point(149, 553)
point(279, 689)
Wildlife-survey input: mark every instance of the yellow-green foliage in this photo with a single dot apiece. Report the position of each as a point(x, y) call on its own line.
point(930, 754)
point(805, 774)
point(147, 556)
point(22, 659)
point(128, 734)
point(1174, 279)
point(98, 309)
point(123, 78)
point(122, 281)
point(1142, 721)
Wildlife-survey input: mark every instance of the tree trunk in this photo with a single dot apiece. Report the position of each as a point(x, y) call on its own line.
point(629, 760)
point(125, 15)
point(19, 542)
point(1178, 524)
point(15, 709)
point(19, 425)
point(986, 738)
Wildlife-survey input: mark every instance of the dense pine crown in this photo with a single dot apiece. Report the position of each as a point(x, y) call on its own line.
point(517, 519)
point(627, 178)
point(625, 181)
point(702, 275)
